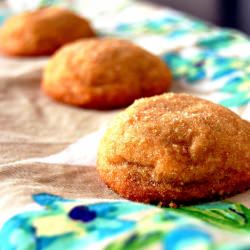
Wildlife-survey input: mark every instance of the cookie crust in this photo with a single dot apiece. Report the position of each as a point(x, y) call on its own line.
point(176, 148)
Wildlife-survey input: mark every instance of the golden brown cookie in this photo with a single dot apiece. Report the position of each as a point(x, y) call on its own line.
point(176, 148)
point(104, 73)
point(42, 32)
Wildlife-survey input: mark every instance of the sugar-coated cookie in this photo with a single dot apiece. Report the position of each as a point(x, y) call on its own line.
point(104, 73)
point(42, 32)
point(176, 148)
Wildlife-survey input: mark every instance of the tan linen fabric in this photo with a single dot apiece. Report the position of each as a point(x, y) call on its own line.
point(28, 116)
point(33, 125)
point(20, 181)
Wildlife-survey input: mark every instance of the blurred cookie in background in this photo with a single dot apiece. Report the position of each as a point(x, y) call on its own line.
point(42, 32)
point(104, 74)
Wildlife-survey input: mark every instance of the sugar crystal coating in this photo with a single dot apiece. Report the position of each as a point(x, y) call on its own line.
point(175, 147)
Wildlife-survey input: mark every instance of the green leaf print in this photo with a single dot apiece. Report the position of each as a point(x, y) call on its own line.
point(232, 216)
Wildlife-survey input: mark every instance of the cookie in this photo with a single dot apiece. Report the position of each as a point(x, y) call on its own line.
point(42, 32)
point(175, 148)
point(104, 73)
